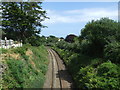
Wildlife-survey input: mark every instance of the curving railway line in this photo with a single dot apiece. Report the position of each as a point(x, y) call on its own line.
point(57, 75)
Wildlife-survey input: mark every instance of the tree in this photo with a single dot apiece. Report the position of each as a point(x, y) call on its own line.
point(70, 38)
point(35, 40)
point(51, 40)
point(21, 20)
point(98, 33)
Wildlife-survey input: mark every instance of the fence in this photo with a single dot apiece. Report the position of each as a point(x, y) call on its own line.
point(9, 43)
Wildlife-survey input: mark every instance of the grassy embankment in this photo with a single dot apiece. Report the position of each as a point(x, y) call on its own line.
point(25, 67)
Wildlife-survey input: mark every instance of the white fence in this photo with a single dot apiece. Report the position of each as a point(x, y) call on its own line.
point(9, 44)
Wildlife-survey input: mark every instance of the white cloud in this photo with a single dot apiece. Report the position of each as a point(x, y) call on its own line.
point(81, 15)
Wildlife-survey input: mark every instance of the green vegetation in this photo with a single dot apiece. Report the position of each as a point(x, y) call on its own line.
point(22, 20)
point(2, 50)
point(93, 59)
point(25, 67)
point(112, 52)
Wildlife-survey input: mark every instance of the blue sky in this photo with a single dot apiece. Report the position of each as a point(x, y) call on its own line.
point(70, 17)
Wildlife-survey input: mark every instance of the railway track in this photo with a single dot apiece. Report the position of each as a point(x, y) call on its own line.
point(57, 76)
point(55, 81)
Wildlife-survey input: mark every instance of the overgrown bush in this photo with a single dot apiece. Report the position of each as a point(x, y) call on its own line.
point(108, 69)
point(85, 47)
point(112, 52)
point(17, 69)
point(21, 50)
point(105, 76)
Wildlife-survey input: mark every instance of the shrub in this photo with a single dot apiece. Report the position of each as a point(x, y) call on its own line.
point(16, 69)
point(105, 76)
point(112, 52)
point(84, 77)
point(2, 50)
point(108, 69)
point(25, 57)
point(21, 50)
point(108, 75)
point(85, 47)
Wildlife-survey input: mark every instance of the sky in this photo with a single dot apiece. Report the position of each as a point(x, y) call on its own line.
point(70, 17)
